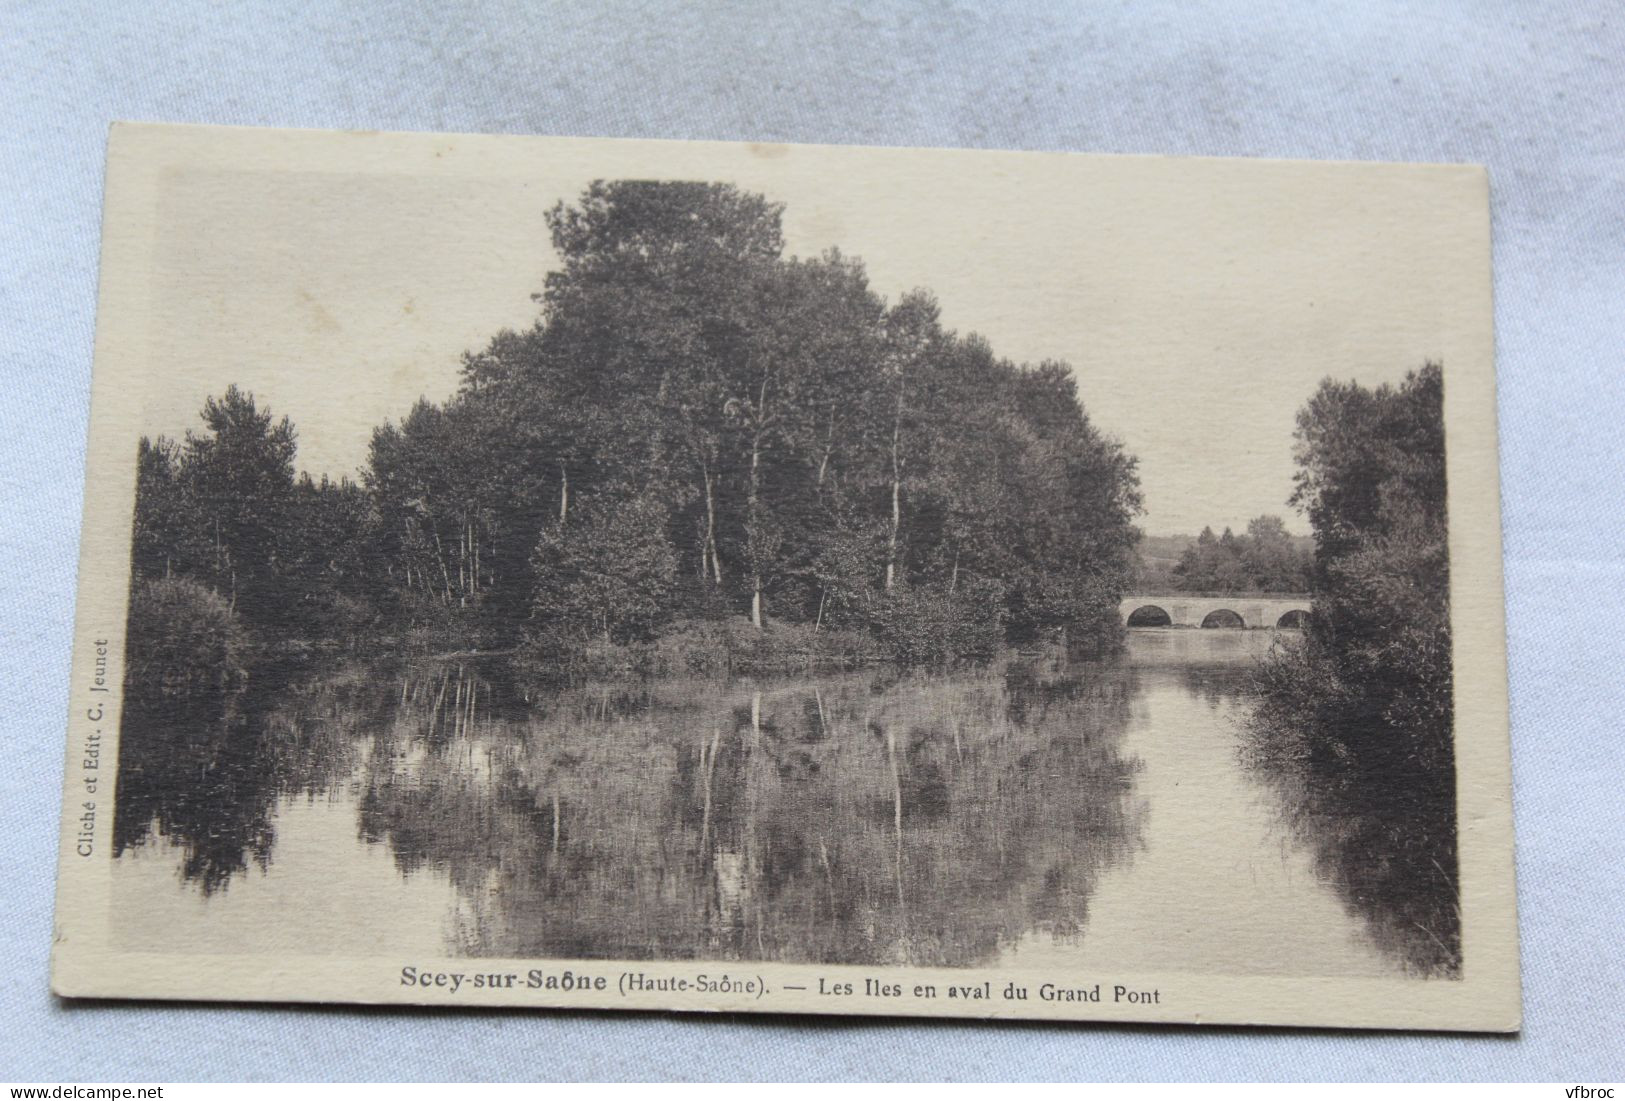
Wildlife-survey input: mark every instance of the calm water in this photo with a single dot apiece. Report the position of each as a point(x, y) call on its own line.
point(1043, 813)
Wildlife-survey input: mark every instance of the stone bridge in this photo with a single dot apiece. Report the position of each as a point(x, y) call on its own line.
point(1214, 610)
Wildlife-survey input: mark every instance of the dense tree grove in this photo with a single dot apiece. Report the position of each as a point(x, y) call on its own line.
point(1364, 707)
point(1264, 560)
point(225, 512)
point(696, 428)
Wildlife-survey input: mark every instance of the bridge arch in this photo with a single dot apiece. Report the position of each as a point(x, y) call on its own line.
point(1223, 617)
point(1297, 618)
point(1149, 615)
point(1265, 611)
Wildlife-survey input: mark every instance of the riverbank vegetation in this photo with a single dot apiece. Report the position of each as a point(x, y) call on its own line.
point(1358, 721)
point(702, 445)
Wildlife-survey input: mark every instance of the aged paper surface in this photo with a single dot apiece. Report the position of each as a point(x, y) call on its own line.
point(694, 576)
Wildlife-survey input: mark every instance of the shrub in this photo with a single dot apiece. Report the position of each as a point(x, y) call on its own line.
point(930, 625)
point(610, 573)
point(183, 639)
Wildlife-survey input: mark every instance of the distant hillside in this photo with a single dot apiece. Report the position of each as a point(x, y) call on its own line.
point(1165, 546)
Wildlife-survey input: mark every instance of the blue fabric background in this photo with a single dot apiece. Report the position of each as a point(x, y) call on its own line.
point(1532, 90)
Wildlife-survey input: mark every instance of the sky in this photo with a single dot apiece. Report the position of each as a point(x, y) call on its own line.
point(1199, 302)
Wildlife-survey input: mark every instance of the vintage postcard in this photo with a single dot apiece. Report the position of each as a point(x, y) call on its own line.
point(656, 575)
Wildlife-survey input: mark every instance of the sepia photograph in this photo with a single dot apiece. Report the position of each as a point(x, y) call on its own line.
point(800, 579)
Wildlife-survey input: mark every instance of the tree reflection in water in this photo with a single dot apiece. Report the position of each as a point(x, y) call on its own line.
point(919, 818)
point(1389, 851)
point(204, 772)
point(888, 819)
point(1382, 830)
point(878, 817)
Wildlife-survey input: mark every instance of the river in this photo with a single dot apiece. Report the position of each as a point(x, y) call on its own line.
point(1040, 812)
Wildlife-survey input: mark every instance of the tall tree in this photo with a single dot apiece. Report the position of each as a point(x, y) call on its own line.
point(913, 333)
point(170, 529)
point(653, 298)
point(1372, 480)
point(1270, 558)
point(240, 474)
